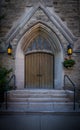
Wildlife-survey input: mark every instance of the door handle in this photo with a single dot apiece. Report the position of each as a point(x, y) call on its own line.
point(39, 75)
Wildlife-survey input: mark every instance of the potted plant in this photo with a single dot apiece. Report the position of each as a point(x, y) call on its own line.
point(4, 73)
point(68, 63)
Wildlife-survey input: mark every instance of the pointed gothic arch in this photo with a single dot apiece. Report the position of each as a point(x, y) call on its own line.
point(45, 32)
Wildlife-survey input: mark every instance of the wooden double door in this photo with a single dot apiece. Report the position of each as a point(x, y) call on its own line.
point(39, 70)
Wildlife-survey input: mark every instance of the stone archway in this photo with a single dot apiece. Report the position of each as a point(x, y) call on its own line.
point(33, 32)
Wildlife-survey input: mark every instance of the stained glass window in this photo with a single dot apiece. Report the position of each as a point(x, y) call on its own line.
point(39, 43)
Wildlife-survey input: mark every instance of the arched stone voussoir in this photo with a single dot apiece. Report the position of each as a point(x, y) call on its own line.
point(43, 30)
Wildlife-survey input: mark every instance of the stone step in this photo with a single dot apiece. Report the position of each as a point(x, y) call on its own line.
point(39, 99)
point(37, 95)
point(47, 106)
point(37, 91)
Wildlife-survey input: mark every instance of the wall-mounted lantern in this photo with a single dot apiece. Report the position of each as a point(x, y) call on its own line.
point(9, 49)
point(69, 50)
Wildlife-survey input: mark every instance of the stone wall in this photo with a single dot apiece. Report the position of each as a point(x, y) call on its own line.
point(11, 10)
point(67, 10)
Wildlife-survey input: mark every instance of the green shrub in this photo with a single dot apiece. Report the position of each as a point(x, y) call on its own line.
point(4, 73)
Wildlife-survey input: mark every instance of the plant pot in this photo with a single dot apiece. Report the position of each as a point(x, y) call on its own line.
point(68, 63)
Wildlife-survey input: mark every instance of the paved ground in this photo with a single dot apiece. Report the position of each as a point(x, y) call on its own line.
point(40, 121)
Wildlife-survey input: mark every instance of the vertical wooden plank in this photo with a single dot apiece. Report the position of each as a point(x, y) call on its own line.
point(47, 71)
point(31, 72)
point(37, 70)
point(27, 71)
point(52, 71)
point(42, 70)
point(34, 70)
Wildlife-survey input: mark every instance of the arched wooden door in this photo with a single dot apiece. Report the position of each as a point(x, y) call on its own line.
point(39, 70)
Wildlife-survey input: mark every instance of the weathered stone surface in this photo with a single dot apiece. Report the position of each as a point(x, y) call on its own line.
point(69, 12)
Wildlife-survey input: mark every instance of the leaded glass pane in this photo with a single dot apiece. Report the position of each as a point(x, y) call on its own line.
point(39, 43)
